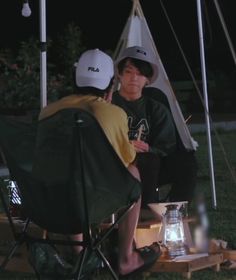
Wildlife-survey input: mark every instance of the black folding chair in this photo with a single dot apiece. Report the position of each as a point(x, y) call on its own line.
point(75, 182)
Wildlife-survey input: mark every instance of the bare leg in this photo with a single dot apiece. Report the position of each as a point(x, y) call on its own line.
point(132, 219)
point(128, 259)
point(77, 237)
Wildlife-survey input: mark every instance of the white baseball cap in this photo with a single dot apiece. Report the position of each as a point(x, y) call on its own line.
point(94, 69)
point(143, 54)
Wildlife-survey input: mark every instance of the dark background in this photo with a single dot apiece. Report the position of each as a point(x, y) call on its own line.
point(102, 22)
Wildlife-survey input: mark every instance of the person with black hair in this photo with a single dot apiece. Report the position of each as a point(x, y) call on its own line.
point(160, 159)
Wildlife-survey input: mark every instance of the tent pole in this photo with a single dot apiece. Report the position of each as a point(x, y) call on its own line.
point(43, 54)
point(204, 81)
point(225, 30)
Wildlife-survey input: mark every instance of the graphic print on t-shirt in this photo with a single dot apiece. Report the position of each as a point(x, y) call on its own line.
point(138, 131)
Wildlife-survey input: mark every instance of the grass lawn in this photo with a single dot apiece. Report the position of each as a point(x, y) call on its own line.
point(222, 220)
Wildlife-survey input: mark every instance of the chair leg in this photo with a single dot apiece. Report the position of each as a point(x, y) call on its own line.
point(80, 264)
point(16, 245)
point(106, 262)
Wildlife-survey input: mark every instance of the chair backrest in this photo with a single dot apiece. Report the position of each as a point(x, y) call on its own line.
point(17, 139)
point(77, 177)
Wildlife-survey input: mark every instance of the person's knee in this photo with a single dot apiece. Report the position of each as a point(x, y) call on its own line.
point(134, 171)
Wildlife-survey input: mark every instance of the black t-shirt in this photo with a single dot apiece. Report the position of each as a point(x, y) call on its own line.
point(150, 121)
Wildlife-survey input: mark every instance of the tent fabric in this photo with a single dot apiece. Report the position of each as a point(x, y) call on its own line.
point(136, 32)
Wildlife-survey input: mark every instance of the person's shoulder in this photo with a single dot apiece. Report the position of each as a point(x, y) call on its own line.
point(155, 104)
point(156, 94)
point(115, 109)
point(107, 107)
point(48, 110)
point(54, 107)
point(110, 113)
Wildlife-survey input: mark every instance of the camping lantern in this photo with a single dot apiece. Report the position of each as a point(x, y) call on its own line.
point(174, 239)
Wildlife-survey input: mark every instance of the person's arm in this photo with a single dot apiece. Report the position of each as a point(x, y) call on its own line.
point(162, 139)
point(114, 122)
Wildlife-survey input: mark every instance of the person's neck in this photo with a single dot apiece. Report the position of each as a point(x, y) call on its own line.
point(130, 96)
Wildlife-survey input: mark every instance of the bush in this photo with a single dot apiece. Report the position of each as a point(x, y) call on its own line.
point(20, 72)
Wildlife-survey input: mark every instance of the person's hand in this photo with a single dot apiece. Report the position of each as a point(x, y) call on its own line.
point(140, 146)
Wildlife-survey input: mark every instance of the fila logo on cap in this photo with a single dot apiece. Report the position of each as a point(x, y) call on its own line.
point(93, 69)
point(142, 52)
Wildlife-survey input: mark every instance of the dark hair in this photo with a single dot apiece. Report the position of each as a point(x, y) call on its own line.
point(93, 90)
point(144, 67)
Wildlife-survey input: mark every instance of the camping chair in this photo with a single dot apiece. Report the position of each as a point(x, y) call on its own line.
point(76, 181)
point(19, 139)
point(187, 157)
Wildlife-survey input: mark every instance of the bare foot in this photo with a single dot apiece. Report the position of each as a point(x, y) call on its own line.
point(140, 259)
point(130, 263)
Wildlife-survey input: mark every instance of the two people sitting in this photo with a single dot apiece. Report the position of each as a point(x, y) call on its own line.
point(141, 131)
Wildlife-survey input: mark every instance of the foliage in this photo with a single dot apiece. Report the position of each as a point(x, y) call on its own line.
point(65, 51)
point(20, 72)
point(21, 78)
point(69, 46)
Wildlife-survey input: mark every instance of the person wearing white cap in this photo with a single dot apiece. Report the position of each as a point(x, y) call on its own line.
point(161, 156)
point(94, 76)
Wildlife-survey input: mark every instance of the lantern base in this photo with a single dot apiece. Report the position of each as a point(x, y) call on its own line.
point(176, 252)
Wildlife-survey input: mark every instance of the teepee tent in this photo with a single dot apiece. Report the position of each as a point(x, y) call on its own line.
point(136, 32)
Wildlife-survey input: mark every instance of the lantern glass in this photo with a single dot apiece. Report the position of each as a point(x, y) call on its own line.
point(174, 238)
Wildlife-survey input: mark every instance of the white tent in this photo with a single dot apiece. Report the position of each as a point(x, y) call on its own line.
point(136, 32)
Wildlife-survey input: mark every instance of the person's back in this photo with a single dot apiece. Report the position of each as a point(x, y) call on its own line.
point(112, 119)
point(89, 97)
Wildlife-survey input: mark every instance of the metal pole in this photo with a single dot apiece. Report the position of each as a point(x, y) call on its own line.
point(43, 54)
point(231, 47)
point(204, 82)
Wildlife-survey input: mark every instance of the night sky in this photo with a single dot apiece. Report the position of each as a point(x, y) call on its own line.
point(102, 22)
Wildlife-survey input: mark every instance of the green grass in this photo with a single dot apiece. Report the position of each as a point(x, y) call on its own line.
point(222, 219)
